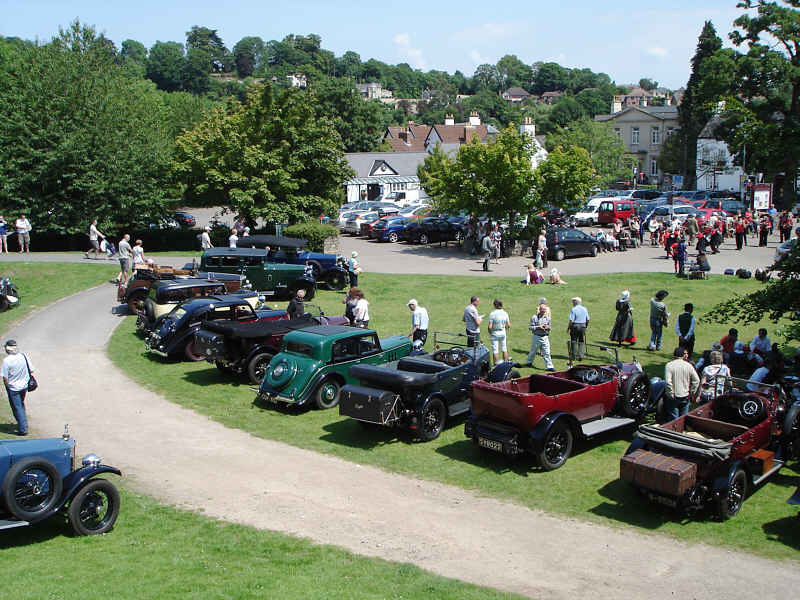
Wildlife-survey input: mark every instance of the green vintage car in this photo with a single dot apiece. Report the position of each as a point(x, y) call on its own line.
point(269, 278)
point(314, 363)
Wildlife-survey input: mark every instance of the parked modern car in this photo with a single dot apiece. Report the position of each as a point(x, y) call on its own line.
point(40, 479)
point(733, 207)
point(431, 229)
point(389, 230)
point(589, 214)
point(184, 219)
point(314, 363)
point(353, 224)
point(784, 248)
point(678, 212)
point(563, 242)
point(613, 209)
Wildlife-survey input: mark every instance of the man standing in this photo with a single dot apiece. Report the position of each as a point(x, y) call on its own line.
point(692, 227)
point(419, 324)
point(486, 249)
point(16, 372)
point(684, 327)
point(23, 227)
point(578, 322)
point(205, 239)
point(94, 239)
point(681, 384)
point(472, 321)
point(296, 308)
point(540, 330)
point(125, 252)
point(658, 318)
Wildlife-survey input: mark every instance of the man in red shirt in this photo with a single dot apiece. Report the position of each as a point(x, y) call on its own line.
point(728, 342)
point(738, 229)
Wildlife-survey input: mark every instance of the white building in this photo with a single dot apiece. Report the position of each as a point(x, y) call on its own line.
point(715, 168)
point(380, 173)
point(540, 154)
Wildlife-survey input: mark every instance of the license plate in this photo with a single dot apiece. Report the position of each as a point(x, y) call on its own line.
point(662, 500)
point(490, 444)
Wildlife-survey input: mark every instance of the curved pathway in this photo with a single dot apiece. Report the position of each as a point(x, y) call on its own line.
point(183, 458)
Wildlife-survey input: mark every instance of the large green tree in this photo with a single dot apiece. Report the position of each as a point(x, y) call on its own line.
point(165, 65)
point(565, 178)
point(248, 54)
point(606, 150)
point(273, 157)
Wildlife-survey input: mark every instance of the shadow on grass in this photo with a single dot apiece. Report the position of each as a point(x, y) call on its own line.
point(628, 506)
point(20, 537)
point(213, 376)
point(785, 530)
point(351, 433)
point(467, 452)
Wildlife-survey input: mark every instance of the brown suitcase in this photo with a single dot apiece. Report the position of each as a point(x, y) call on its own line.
point(657, 472)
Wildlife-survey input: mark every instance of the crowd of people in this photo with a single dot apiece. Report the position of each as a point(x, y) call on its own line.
point(22, 228)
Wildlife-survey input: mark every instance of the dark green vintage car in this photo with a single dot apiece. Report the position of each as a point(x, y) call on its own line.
point(314, 363)
point(269, 278)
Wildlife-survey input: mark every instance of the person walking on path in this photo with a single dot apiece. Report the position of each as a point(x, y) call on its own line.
point(679, 256)
point(692, 227)
point(125, 253)
point(138, 253)
point(739, 232)
point(94, 239)
point(681, 382)
point(785, 224)
point(3, 235)
point(419, 324)
point(17, 371)
point(205, 239)
point(578, 322)
point(23, 227)
point(540, 335)
point(486, 250)
point(498, 324)
point(623, 326)
point(684, 328)
point(497, 241)
point(472, 321)
point(659, 317)
point(353, 268)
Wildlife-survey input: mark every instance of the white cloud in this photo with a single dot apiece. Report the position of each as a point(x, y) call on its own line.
point(413, 55)
point(489, 31)
point(657, 51)
point(477, 58)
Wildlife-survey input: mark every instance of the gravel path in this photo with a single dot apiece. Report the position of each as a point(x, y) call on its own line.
point(186, 459)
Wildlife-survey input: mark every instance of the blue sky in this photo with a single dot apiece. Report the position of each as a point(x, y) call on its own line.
point(625, 39)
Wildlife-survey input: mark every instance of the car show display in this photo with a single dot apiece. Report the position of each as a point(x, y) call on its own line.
point(40, 479)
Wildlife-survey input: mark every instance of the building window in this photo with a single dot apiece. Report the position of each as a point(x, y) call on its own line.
point(655, 135)
point(634, 135)
point(618, 131)
point(653, 166)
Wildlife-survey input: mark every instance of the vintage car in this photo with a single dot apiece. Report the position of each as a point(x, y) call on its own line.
point(329, 270)
point(717, 453)
point(238, 347)
point(163, 296)
point(543, 413)
point(421, 392)
point(174, 335)
point(269, 278)
point(9, 294)
point(40, 479)
point(314, 363)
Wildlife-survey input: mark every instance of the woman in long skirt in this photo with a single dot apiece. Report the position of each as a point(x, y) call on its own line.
point(623, 326)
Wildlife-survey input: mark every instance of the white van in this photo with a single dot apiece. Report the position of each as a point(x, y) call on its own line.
point(588, 214)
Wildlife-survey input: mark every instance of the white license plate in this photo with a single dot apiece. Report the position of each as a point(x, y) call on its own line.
point(490, 444)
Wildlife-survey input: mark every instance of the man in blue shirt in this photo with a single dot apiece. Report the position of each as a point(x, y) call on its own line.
point(578, 322)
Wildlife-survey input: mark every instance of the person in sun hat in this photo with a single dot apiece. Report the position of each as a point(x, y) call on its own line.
point(353, 268)
point(623, 326)
point(419, 323)
point(16, 372)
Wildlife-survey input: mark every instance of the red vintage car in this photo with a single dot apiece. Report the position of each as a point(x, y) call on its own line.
point(542, 414)
point(717, 453)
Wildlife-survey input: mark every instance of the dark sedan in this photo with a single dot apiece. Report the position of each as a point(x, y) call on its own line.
point(563, 242)
point(432, 229)
point(184, 219)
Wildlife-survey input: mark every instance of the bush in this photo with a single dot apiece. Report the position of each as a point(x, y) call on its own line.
point(312, 232)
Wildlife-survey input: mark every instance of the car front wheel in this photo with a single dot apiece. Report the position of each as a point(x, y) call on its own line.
point(423, 239)
point(634, 396)
point(257, 367)
point(557, 447)
point(95, 508)
point(327, 394)
point(31, 488)
point(192, 354)
point(393, 237)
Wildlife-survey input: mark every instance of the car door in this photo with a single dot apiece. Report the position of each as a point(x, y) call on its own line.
point(368, 349)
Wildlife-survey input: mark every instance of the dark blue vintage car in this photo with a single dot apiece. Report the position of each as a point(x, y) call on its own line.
point(329, 270)
point(40, 479)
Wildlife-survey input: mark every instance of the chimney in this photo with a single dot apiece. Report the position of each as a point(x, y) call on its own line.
point(449, 119)
point(528, 126)
point(474, 119)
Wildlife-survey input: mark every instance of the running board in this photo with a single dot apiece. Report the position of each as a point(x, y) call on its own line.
point(602, 425)
point(11, 524)
point(776, 467)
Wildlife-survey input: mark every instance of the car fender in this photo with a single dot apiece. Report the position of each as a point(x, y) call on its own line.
point(657, 388)
point(721, 483)
point(331, 271)
point(258, 349)
point(537, 434)
point(432, 396)
point(177, 340)
point(500, 371)
point(76, 480)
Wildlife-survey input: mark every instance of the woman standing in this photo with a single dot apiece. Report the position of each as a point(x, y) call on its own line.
point(353, 268)
point(138, 254)
point(497, 326)
point(623, 326)
point(3, 236)
point(349, 302)
point(361, 311)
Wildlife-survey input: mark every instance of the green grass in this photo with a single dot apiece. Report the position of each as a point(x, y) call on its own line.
point(161, 552)
point(40, 284)
point(586, 487)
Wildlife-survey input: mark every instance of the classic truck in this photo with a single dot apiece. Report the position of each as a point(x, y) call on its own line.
point(314, 363)
point(423, 392)
point(40, 479)
point(717, 453)
point(238, 347)
point(543, 413)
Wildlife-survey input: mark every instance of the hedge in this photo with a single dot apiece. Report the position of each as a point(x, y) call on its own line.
point(313, 232)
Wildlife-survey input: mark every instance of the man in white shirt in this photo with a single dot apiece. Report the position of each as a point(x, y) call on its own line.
point(23, 227)
point(125, 255)
point(94, 239)
point(233, 239)
point(760, 347)
point(16, 372)
point(205, 239)
point(419, 324)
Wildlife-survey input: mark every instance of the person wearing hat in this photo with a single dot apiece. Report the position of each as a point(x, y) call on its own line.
point(578, 322)
point(17, 371)
point(353, 268)
point(658, 318)
point(540, 330)
point(205, 239)
point(623, 326)
point(419, 324)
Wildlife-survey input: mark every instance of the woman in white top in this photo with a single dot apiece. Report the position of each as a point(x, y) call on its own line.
point(233, 239)
point(361, 311)
point(138, 253)
point(714, 377)
point(497, 326)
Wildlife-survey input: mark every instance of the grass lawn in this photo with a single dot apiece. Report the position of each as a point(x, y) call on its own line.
point(586, 487)
point(161, 552)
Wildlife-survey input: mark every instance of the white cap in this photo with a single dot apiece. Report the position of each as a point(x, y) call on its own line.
point(354, 254)
point(577, 299)
point(412, 301)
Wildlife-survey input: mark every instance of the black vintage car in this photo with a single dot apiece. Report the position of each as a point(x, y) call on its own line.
point(421, 392)
point(238, 347)
point(432, 229)
point(174, 333)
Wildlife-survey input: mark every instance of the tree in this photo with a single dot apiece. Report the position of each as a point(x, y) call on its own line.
point(549, 77)
point(606, 150)
point(495, 179)
point(248, 54)
point(272, 158)
point(349, 65)
point(165, 65)
point(512, 71)
point(487, 77)
point(566, 111)
point(133, 50)
point(195, 77)
point(595, 101)
point(648, 84)
point(206, 40)
point(565, 178)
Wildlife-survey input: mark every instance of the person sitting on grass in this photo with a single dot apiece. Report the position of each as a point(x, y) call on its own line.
point(555, 277)
point(533, 275)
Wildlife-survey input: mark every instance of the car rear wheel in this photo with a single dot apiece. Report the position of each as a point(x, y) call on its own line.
point(557, 447)
point(257, 367)
point(393, 237)
point(560, 254)
point(634, 396)
point(192, 353)
point(336, 281)
point(590, 222)
point(31, 488)
point(423, 238)
point(594, 250)
point(94, 509)
point(327, 394)
point(730, 502)
point(432, 420)
point(136, 301)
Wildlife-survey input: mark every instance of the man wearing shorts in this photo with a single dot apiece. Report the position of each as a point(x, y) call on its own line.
point(23, 227)
point(497, 326)
point(94, 238)
point(125, 254)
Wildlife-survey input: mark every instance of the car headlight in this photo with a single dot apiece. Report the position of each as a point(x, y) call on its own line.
point(278, 371)
point(90, 460)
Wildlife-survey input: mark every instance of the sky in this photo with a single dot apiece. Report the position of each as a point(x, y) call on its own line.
point(626, 39)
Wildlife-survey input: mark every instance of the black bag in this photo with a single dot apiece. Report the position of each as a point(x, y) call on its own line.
point(762, 275)
point(32, 383)
point(743, 274)
point(729, 271)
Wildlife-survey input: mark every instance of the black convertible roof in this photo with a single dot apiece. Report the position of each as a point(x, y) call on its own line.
point(183, 283)
point(259, 328)
point(273, 241)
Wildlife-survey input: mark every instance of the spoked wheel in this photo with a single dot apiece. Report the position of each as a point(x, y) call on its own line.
point(95, 508)
point(730, 503)
point(432, 421)
point(31, 488)
point(192, 353)
point(336, 282)
point(257, 367)
point(557, 447)
point(136, 302)
point(635, 394)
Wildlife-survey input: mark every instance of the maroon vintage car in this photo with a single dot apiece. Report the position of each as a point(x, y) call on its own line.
point(543, 413)
point(718, 452)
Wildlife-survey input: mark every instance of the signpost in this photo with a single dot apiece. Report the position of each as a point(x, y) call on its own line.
point(762, 196)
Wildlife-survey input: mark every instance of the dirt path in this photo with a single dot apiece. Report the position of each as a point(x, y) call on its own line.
point(186, 459)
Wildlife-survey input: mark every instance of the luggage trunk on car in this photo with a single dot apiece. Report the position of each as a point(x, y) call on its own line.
point(209, 344)
point(368, 404)
point(658, 472)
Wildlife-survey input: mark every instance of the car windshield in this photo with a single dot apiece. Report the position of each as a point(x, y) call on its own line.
point(177, 312)
point(298, 348)
point(588, 208)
